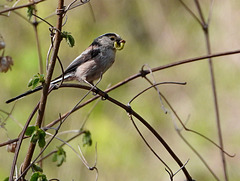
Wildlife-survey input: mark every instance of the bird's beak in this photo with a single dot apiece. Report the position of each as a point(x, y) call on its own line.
point(119, 45)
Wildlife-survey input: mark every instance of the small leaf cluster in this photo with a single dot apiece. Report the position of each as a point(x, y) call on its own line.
point(87, 138)
point(59, 156)
point(69, 38)
point(38, 176)
point(38, 78)
point(37, 135)
point(30, 10)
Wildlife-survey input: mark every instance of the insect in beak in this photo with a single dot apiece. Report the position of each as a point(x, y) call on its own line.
point(119, 45)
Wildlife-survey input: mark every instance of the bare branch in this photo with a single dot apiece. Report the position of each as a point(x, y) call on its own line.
point(20, 142)
point(22, 6)
point(205, 28)
point(145, 141)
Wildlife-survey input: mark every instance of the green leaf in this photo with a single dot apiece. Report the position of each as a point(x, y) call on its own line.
point(34, 138)
point(30, 130)
point(6, 179)
point(41, 78)
point(60, 160)
point(33, 82)
point(30, 83)
point(43, 177)
point(59, 156)
point(34, 176)
point(30, 11)
point(37, 168)
point(41, 132)
point(37, 176)
point(54, 158)
point(69, 38)
point(38, 136)
point(41, 141)
point(87, 139)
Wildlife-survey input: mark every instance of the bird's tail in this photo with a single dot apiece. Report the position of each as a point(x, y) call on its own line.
point(56, 80)
point(24, 94)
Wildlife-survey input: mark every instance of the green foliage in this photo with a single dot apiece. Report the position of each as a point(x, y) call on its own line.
point(36, 168)
point(69, 38)
point(38, 135)
point(38, 176)
point(59, 156)
point(33, 82)
point(87, 138)
point(30, 10)
point(6, 179)
point(30, 130)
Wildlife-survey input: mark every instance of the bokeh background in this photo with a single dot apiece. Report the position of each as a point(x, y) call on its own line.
point(157, 33)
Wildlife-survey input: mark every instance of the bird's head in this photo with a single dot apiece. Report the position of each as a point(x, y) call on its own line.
point(111, 40)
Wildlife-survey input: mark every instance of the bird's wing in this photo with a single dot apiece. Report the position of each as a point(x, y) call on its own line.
point(91, 52)
point(87, 55)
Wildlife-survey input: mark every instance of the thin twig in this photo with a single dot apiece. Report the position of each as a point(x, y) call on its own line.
point(21, 6)
point(41, 152)
point(78, 4)
point(153, 86)
point(87, 164)
point(64, 143)
point(191, 12)
point(183, 125)
point(196, 153)
point(156, 88)
point(88, 114)
point(43, 20)
point(205, 28)
point(145, 141)
point(210, 12)
point(67, 8)
point(14, 5)
point(62, 69)
point(35, 26)
point(195, 132)
point(180, 168)
point(92, 12)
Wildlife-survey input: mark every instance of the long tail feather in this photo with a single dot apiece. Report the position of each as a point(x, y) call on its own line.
point(24, 94)
point(56, 80)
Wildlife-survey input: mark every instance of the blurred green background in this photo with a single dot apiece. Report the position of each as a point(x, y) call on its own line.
point(157, 33)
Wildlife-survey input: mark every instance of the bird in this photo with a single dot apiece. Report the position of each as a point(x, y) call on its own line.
point(90, 65)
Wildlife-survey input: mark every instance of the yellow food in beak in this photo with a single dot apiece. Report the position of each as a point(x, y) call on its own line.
point(121, 46)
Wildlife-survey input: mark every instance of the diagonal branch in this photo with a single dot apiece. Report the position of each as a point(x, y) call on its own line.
point(130, 111)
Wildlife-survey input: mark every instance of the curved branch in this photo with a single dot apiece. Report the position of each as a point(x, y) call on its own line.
point(130, 111)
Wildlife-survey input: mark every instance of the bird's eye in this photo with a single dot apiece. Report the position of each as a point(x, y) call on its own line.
point(112, 38)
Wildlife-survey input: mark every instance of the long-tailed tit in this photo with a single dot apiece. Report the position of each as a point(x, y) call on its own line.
point(90, 64)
